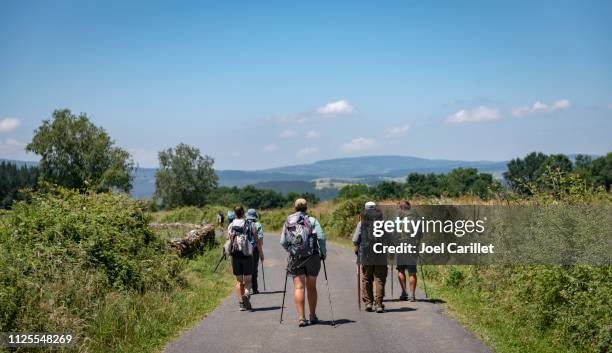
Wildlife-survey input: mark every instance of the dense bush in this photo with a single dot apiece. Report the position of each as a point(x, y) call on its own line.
point(64, 254)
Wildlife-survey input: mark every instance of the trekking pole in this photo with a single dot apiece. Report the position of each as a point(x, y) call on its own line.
point(358, 287)
point(284, 292)
point(329, 294)
point(391, 280)
point(263, 274)
point(219, 263)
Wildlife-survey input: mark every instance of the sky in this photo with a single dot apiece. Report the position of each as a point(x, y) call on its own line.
point(264, 84)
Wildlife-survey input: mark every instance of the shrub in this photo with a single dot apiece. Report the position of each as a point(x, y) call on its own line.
point(64, 253)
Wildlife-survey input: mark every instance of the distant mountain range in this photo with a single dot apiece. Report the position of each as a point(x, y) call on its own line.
point(332, 172)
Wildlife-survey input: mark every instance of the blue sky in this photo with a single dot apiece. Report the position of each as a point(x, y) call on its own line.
point(263, 84)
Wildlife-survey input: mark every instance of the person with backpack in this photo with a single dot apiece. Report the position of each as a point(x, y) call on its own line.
point(304, 240)
point(239, 244)
point(407, 262)
point(220, 220)
point(252, 217)
point(373, 270)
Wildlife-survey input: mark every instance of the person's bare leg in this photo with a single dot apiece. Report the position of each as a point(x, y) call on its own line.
point(247, 284)
point(239, 288)
point(311, 286)
point(413, 283)
point(298, 295)
point(401, 276)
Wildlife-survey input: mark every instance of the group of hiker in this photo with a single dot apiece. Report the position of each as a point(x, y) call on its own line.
point(304, 240)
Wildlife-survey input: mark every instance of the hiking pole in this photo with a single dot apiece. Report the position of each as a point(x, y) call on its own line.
point(391, 280)
point(219, 263)
point(284, 292)
point(263, 274)
point(358, 287)
point(331, 308)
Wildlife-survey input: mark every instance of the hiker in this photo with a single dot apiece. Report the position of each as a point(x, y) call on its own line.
point(407, 262)
point(239, 245)
point(220, 220)
point(373, 271)
point(252, 217)
point(304, 240)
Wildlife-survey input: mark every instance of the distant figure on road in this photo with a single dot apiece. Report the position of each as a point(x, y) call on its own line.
point(220, 220)
point(304, 240)
point(252, 217)
point(407, 262)
point(373, 276)
point(239, 244)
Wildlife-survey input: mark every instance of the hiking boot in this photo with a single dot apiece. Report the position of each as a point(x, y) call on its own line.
point(403, 296)
point(302, 322)
point(242, 308)
point(314, 319)
point(368, 307)
point(380, 309)
point(246, 302)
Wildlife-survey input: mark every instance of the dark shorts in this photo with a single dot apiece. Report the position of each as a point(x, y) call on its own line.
point(242, 265)
point(306, 267)
point(412, 269)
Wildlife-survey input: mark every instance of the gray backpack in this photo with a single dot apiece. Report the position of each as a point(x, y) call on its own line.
point(300, 235)
point(238, 243)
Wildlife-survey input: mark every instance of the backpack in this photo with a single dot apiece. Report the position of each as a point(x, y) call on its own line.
point(238, 238)
point(300, 235)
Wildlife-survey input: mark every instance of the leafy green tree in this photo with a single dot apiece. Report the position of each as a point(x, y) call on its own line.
point(308, 196)
point(252, 197)
point(352, 191)
point(389, 190)
point(424, 184)
point(602, 171)
point(77, 154)
point(184, 177)
point(583, 167)
point(522, 172)
point(12, 179)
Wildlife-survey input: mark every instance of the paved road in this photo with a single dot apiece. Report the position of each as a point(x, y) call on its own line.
point(405, 327)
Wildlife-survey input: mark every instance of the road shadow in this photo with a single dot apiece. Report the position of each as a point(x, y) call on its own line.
point(337, 322)
point(431, 300)
point(267, 308)
point(399, 310)
point(270, 292)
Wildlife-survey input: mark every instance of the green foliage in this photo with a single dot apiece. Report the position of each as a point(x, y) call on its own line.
point(602, 171)
point(343, 219)
point(65, 254)
point(79, 155)
point(184, 177)
point(454, 277)
point(13, 179)
point(352, 191)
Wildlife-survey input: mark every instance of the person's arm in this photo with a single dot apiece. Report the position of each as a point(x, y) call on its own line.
point(357, 237)
point(320, 237)
point(283, 241)
point(258, 243)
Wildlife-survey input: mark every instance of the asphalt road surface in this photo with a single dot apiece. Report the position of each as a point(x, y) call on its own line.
point(404, 327)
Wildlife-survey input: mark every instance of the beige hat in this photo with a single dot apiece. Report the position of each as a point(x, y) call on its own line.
point(301, 203)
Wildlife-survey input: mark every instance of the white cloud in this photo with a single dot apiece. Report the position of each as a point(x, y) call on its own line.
point(287, 134)
point(397, 131)
point(307, 151)
point(539, 107)
point(292, 118)
point(8, 124)
point(337, 107)
point(270, 147)
point(359, 144)
point(481, 113)
point(312, 134)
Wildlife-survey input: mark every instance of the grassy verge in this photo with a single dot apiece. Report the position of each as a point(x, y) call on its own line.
point(501, 329)
point(147, 322)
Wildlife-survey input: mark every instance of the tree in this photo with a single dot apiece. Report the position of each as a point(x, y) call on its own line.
point(352, 191)
point(521, 172)
point(602, 171)
point(77, 154)
point(389, 190)
point(184, 177)
point(12, 179)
